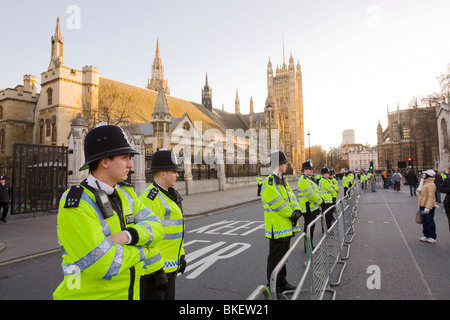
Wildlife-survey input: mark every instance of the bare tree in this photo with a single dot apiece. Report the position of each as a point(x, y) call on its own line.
point(114, 107)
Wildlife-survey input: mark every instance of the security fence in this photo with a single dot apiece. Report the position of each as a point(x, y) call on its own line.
point(322, 260)
point(39, 177)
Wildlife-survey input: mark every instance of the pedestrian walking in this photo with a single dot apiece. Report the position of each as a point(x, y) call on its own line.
point(104, 230)
point(373, 181)
point(445, 188)
point(259, 181)
point(159, 283)
point(5, 197)
point(427, 204)
point(385, 180)
point(438, 181)
point(397, 177)
point(412, 181)
point(281, 214)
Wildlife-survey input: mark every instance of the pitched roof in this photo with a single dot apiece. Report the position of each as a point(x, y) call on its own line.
point(144, 100)
point(230, 120)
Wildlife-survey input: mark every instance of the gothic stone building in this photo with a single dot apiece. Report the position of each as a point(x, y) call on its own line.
point(28, 115)
point(411, 133)
point(443, 127)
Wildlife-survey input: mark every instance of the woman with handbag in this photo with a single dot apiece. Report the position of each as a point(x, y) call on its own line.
point(427, 203)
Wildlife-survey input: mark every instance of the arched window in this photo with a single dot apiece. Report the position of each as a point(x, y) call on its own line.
point(48, 128)
point(444, 134)
point(41, 130)
point(2, 139)
point(54, 129)
point(186, 126)
point(49, 96)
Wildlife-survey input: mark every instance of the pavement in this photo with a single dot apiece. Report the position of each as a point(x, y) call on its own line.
point(387, 260)
point(386, 236)
point(33, 234)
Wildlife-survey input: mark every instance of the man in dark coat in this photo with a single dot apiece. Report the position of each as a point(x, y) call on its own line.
point(445, 188)
point(412, 181)
point(5, 197)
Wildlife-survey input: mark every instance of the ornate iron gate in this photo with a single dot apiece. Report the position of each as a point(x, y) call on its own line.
point(39, 177)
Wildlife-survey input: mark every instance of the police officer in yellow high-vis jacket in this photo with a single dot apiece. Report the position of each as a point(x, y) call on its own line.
point(281, 212)
point(335, 186)
point(308, 196)
point(259, 181)
point(105, 232)
point(346, 181)
point(326, 190)
point(165, 201)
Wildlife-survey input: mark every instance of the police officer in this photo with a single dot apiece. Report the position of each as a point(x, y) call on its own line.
point(5, 197)
point(335, 185)
point(281, 212)
point(326, 193)
point(346, 182)
point(104, 230)
point(259, 181)
point(165, 201)
point(308, 196)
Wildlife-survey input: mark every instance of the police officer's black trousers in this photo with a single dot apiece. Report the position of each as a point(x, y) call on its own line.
point(277, 249)
point(4, 207)
point(149, 289)
point(259, 189)
point(328, 215)
point(309, 217)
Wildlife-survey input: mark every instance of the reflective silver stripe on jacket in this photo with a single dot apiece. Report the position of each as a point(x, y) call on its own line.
point(167, 222)
point(89, 259)
point(105, 226)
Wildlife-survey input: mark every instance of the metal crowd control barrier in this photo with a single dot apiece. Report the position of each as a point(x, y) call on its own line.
point(322, 259)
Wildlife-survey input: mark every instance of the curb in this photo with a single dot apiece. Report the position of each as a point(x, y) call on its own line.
point(3, 245)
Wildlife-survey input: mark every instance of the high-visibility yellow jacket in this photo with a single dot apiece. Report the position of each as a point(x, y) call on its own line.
point(363, 177)
point(326, 190)
point(346, 180)
point(335, 187)
point(259, 180)
point(93, 266)
point(308, 194)
point(172, 245)
point(279, 202)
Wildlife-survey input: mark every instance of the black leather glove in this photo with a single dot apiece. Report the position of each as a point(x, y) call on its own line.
point(295, 216)
point(161, 280)
point(182, 265)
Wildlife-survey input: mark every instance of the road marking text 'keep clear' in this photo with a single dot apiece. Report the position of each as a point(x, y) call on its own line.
point(226, 227)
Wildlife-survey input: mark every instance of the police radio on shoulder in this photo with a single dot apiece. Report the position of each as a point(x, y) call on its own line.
point(103, 202)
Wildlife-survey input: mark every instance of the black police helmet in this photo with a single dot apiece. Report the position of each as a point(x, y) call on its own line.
point(277, 158)
point(105, 141)
point(324, 170)
point(164, 160)
point(307, 165)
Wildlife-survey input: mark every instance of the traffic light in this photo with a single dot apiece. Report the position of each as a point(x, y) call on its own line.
point(371, 165)
point(410, 162)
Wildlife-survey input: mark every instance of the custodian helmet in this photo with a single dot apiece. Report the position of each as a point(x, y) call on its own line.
point(307, 165)
point(164, 160)
point(277, 158)
point(105, 141)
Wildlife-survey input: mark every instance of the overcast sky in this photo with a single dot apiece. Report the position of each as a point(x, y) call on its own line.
point(357, 57)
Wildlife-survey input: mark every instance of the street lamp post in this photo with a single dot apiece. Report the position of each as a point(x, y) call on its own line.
point(269, 109)
point(309, 145)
